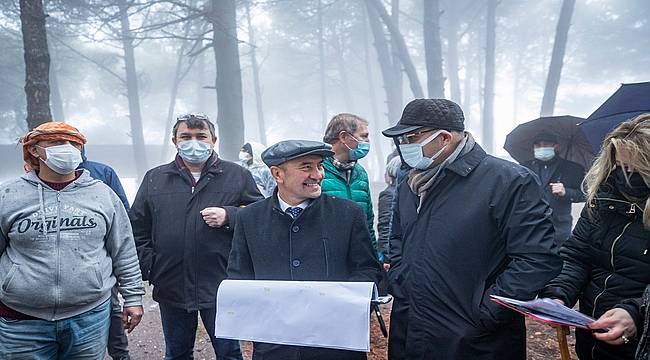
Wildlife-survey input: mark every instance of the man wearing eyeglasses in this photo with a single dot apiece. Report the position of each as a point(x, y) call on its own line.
point(466, 226)
point(182, 218)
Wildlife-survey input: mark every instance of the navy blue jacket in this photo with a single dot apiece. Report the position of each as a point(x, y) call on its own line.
point(107, 175)
point(328, 241)
point(482, 230)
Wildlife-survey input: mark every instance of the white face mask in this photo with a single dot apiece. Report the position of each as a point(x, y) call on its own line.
point(194, 151)
point(62, 159)
point(413, 154)
point(544, 153)
point(244, 156)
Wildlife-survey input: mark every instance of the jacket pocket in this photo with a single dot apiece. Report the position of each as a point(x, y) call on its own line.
point(6, 283)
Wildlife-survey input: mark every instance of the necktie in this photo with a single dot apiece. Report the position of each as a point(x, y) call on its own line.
point(294, 211)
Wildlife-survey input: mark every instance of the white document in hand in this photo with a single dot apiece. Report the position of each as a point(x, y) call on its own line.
point(305, 313)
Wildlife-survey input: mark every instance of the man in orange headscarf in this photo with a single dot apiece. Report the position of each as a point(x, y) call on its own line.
point(49, 131)
point(65, 241)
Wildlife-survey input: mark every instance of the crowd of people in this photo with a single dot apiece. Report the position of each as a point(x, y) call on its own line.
point(455, 226)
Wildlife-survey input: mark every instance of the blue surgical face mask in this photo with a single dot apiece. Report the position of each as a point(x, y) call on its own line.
point(194, 151)
point(360, 151)
point(544, 153)
point(413, 154)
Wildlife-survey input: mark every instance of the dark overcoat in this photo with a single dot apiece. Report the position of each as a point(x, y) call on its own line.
point(328, 241)
point(483, 229)
point(571, 175)
point(183, 257)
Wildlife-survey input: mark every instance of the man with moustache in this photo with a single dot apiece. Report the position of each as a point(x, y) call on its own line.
point(303, 235)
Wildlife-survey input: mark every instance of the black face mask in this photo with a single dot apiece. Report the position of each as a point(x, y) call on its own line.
point(636, 188)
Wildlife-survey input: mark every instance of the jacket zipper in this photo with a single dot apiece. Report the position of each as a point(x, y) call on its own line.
point(58, 253)
point(611, 260)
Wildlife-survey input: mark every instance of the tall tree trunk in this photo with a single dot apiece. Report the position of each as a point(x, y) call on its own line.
point(133, 92)
point(399, 78)
point(201, 92)
point(321, 66)
point(256, 76)
point(387, 68)
point(401, 49)
point(433, 49)
point(375, 123)
point(37, 62)
point(339, 45)
point(452, 51)
point(488, 105)
point(230, 115)
point(172, 102)
point(56, 101)
point(557, 59)
point(515, 88)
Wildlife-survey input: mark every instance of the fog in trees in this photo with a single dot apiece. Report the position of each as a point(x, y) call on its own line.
point(267, 70)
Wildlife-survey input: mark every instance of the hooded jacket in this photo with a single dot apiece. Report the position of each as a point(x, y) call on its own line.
point(261, 173)
point(61, 252)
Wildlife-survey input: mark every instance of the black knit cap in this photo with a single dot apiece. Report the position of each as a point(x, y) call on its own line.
point(431, 113)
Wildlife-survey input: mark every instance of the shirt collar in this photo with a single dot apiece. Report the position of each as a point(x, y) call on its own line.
point(284, 206)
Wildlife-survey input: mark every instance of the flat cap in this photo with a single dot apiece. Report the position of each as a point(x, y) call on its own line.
point(432, 113)
point(287, 150)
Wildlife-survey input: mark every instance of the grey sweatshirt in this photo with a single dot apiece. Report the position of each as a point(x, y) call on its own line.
point(68, 266)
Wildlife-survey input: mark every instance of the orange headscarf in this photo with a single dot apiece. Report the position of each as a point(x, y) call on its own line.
point(49, 131)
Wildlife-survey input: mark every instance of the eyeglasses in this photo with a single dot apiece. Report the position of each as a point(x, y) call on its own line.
point(190, 116)
point(410, 138)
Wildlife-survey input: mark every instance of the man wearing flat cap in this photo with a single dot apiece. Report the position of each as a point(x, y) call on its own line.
point(65, 242)
point(561, 180)
point(300, 234)
point(466, 226)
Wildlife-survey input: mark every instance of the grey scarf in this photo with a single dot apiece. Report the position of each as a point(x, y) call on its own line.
point(421, 181)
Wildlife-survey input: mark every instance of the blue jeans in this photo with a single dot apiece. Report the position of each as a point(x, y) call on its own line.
point(179, 328)
point(80, 337)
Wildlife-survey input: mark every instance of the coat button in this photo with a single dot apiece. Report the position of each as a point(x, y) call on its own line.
point(611, 207)
point(295, 263)
point(295, 228)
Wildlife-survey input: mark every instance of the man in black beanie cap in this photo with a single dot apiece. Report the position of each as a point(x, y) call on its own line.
point(466, 225)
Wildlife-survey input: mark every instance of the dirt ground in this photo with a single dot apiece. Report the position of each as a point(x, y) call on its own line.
point(146, 342)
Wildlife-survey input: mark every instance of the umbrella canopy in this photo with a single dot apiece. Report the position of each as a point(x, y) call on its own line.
point(627, 102)
point(573, 145)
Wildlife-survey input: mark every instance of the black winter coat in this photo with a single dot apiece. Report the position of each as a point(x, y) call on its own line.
point(328, 241)
point(483, 229)
point(606, 260)
point(183, 257)
point(570, 174)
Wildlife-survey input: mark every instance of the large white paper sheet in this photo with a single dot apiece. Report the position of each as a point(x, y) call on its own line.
point(305, 313)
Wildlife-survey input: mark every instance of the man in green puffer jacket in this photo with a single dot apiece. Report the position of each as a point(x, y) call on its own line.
point(344, 177)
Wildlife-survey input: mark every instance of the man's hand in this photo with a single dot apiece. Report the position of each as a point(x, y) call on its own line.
point(215, 216)
point(558, 189)
point(618, 325)
point(386, 267)
point(131, 317)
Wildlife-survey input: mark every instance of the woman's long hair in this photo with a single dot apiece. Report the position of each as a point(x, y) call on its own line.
point(634, 136)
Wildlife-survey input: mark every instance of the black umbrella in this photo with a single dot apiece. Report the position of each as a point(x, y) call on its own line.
point(627, 102)
point(572, 142)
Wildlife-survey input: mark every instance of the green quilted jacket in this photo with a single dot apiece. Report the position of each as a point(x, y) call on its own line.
point(358, 190)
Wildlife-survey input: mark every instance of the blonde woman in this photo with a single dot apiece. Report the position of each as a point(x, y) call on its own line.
point(607, 259)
